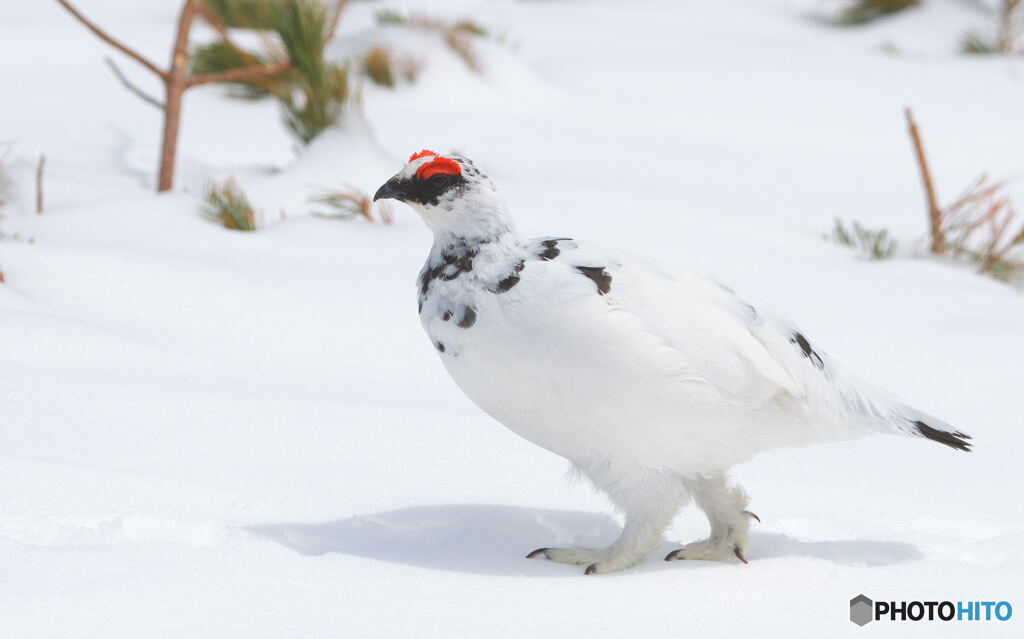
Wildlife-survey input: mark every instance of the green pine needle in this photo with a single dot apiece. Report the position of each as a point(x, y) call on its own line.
point(874, 244)
point(864, 11)
point(227, 205)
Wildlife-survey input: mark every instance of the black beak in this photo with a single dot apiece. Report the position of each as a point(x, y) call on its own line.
point(389, 190)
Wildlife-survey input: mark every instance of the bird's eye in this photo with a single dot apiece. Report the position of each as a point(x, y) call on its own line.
point(438, 181)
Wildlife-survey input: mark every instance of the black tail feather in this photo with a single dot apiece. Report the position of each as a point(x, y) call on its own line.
point(956, 439)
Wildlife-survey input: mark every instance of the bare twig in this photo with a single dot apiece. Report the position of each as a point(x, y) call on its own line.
point(977, 223)
point(1007, 26)
point(387, 212)
point(336, 11)
point(40, 169)
point(350, 201)
point(243, 74)
point(1018, 240)
point(934, 212)
point(215, 22)
point(103, 35)
point(222, 31)
point(131, 87)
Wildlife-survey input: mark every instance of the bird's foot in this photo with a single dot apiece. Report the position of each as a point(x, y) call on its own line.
point(711, 549)
point(732, 543)
point(597, 561)
point(571, 556)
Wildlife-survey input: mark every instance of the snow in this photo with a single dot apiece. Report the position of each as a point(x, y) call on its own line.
point(207, 433)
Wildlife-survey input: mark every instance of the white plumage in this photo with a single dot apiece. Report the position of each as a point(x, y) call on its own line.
point(652, 381)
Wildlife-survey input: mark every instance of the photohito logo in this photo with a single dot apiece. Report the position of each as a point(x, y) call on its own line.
point(863, 610)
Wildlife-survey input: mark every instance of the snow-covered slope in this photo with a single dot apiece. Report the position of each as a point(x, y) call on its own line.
point(206, 433)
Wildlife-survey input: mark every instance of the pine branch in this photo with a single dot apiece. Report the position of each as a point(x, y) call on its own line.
point(244, 74)
point(103, 35)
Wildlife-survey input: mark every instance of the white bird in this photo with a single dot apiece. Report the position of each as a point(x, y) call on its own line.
point(650, 380)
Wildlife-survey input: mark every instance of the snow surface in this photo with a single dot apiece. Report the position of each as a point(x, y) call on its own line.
point(206, 433)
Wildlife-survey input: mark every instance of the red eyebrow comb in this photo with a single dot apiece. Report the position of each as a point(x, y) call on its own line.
point(438, 165)
point(422, 154)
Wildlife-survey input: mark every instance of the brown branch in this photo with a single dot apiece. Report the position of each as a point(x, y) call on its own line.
point(1007, 26)
point(213, 21)
point(179, 55)
point(176, 83)
point(40, 168)
point(934, 212)
point(960, 220)
point(1018, 238)
point(339, 7)
point(243, 74)
point(131, 87)
point(103, 35)
point(983, 207)
point(206, 14)
point(997, 250)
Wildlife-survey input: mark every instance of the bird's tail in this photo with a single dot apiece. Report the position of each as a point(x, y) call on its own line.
point(920, 424)
point(836, 396)
point(887, 414)
point(866, 408)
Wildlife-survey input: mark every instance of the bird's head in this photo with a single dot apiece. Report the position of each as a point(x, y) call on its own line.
point(450, 194)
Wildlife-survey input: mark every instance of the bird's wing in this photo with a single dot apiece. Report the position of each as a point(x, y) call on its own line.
point(712, 328)
point(750, 357)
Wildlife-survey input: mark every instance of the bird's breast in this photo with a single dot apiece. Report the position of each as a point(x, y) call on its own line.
point(564, 372)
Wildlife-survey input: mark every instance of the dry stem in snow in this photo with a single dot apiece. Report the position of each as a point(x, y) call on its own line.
point(981, 224)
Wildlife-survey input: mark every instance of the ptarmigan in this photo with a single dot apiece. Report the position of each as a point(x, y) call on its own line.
point(652, 381)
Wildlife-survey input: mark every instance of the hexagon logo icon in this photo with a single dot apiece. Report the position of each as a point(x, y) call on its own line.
point(861, 610)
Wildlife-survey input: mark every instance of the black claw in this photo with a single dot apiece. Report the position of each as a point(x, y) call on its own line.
point(739, 554)
point(673, 555)
point(752, 515)
point(591, 569)
point(537, 553)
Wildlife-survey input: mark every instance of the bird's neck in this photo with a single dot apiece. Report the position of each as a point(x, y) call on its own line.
point(478, 239)
point(484, 226)
point(498, 246)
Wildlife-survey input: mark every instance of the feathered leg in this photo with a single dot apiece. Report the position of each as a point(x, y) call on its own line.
point(726, 510)
point(649, 503)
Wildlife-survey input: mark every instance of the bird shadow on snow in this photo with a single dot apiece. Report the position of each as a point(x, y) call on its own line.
point(494, 539)
point(846, 552)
